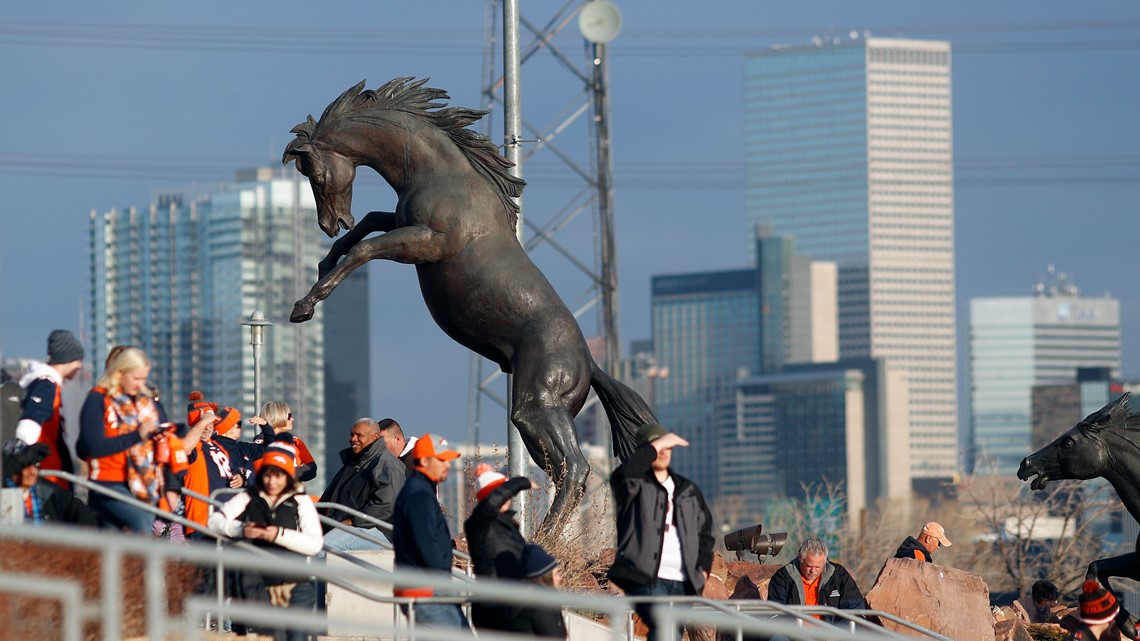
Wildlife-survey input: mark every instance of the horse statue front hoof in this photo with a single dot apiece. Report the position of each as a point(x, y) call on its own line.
point(302, 312)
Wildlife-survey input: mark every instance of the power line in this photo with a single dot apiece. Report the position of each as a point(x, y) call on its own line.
point(467, 42)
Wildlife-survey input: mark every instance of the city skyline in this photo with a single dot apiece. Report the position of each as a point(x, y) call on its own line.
point(1044, 136)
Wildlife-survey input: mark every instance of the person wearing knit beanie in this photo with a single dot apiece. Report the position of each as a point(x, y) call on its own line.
point(1097, 609)
point(1097, 605)
point(487, 481)
point(538, 567)
point(41, 410)
point(493, 539)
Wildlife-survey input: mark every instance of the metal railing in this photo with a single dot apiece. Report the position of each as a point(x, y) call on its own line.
point(795, 622)
point(762, 618)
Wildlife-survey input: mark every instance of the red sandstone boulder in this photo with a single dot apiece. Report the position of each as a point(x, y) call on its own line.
point(1011, 630)
point(758, 577)
point(951, 602)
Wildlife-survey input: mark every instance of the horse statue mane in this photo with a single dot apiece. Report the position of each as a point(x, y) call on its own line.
point(410, 96)
point(1115, 415)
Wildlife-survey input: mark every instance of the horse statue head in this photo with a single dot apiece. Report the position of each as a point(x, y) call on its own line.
point(330, 173)
point(393, 130)
point(1083, 452)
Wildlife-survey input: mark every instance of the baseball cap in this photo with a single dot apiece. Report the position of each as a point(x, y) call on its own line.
point(433, 446)
point(938, 532)
point(649, 433)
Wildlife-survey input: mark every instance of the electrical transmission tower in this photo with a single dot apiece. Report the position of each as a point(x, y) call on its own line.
point(565, 157)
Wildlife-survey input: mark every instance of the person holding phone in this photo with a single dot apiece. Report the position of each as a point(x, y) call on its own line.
point(275, 513)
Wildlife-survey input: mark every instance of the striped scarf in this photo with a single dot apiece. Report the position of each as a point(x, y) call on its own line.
point(143, 478)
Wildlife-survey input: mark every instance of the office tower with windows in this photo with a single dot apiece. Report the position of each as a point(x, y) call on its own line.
point(848, 149)
point(812, 424)
point(705, 329)
point(1019, 342)
point(179, 278)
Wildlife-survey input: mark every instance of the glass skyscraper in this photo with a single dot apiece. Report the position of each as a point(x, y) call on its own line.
point(705, 330)
point(848, 149)
point(1023, 341)
point(178, 280)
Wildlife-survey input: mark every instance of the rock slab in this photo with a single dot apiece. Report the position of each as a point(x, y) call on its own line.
point(951, 602)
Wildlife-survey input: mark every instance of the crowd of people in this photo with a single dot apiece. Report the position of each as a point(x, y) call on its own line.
point(388, 489)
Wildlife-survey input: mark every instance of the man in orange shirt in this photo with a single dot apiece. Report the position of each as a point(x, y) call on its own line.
point(932, 537)
point(810, 579)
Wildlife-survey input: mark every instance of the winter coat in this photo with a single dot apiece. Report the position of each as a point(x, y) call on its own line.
point(493, 536)
point(534, 621)
point(496, 546)
point(293, 512)
point(641, 503)
point(911, 548)
point(369, 482)
point(836, 587)
point(419, 531)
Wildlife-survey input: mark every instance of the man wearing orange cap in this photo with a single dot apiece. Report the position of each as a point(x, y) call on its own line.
point(420, 533)
point(922, 548)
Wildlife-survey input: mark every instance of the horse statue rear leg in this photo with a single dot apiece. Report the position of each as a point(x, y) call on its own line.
point(550, 438)
point(546, 393)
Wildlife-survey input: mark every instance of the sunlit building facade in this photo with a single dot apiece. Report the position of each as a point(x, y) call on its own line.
point(1018, 342)
point(848, 149)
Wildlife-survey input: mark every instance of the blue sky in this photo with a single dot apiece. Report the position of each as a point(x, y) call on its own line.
point(107, 104)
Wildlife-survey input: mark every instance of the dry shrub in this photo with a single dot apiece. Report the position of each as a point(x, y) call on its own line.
point(39, 618)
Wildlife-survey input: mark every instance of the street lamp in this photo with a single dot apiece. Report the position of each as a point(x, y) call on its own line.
point(257, 325)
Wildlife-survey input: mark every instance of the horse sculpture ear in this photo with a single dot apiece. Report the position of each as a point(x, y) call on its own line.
point(295, 152)
point(1112, 413)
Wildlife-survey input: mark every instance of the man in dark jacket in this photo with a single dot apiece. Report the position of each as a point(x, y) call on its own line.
point(420, 533)
point(922, 548)
point(369, 482)
point(44, 501)
point(494, 540)
point(41, 416)
point(810, 579)
point(665, 541)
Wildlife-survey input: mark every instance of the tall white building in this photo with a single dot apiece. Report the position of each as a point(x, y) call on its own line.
point(177, 279)
point(848, 149)
point(1017, 342)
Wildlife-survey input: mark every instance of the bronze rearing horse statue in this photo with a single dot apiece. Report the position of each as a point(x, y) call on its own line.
point(1105, 444)
point(455, 221)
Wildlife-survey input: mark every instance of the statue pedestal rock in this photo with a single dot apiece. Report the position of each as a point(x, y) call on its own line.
point(951, 602)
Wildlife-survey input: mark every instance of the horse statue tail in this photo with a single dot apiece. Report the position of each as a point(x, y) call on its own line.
point(624, 408)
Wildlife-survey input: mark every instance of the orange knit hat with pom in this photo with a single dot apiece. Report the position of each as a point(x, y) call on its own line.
point(197, 405)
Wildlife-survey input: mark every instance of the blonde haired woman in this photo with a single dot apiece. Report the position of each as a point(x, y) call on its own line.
point(116, 424)
point(275, 418)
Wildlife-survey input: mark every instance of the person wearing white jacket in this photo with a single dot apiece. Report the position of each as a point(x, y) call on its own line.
point(275, 512)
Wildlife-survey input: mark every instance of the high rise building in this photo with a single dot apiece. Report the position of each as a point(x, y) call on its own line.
point(179, 278)
point(798, 313)
point(348, 378)
point(1018, 342)
point(709, 327)
point(705, 330)
point(848, 149)
point(841, 423)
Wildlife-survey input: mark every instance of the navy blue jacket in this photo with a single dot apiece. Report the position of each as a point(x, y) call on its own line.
point(419, 529)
